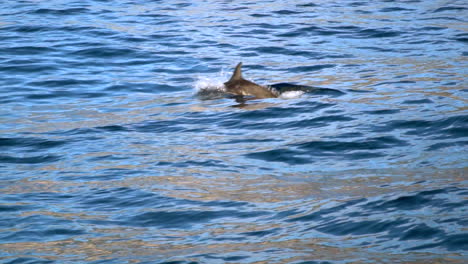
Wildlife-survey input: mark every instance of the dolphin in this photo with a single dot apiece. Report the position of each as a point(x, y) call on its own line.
point(241, 87)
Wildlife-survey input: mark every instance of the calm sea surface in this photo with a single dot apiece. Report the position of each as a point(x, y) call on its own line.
point(109, 155)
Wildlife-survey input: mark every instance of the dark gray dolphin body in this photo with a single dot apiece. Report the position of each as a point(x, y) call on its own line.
point(242, 87)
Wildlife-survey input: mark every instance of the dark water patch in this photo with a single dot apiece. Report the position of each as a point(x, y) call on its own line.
point(31, 228)
point(114, 171)
point(29, 143)
point(311, 68)
point(442, 145)
point(42, 235)
point(359, 91)
point(318, 121)
point(421, 231)
point(450, 8)
point(421, 101)
point(119, 198)
point(23, 28)
point(430, 28)
point(158, 127)
point(27, 50)
point(442, 18)
point(380, 49)
point(336, 147)
point(139, 62)
point(364, 12)
point(291, 34)
point(27, 260)
point(269, 26)
point(161, 37)
point(378, 33)
point(348, 135)
point(313, 262)
point(62, 12)
point(203, 164)
point(291, 52)
point(456, 126)
point(314, 30)
point(287, 12)
point(63, 232)
point(136, 39)
point(106, 52)
point(160, 16)
point(462, 39)
point(226, 258)
point(436, 198)
point(249, 140)
point(395, 9)
point(358, 3)
point(187, 219)
point(63, 82)
point(347, 31)
point(323, 213)
point(359, 228)
point(4, 208)
point(29, 160)
point(383, 112)
point(357, 218)
point(175, 262)
point(54, 94)
point(454, 132)
point(167, 22)
point(307, 5)
point(412, 202)
point(345, 27)
point(314, 151)
point(452, 243)
point(39, 198)
point(243, 120)
point(224, 204)
point(283, 155)
point(262, 233)
point(260, 15)
point(113, 128)
point(258, 32)
point(305, 123)
point(101, 33)
point(235, 9)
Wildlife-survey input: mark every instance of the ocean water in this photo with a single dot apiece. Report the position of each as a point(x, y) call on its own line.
point(117, 144)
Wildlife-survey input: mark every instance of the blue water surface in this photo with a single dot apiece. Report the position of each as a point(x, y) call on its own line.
point(108, 153)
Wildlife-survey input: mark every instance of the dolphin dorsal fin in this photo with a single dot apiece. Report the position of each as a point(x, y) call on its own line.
point(237, 75)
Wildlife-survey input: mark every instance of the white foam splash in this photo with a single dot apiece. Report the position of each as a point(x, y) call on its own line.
point(291, 94)
point(205, 84)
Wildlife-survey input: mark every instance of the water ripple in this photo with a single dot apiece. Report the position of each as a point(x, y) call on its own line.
point(110, 154)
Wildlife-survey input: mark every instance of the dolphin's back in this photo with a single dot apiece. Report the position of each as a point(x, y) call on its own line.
point(240, 86)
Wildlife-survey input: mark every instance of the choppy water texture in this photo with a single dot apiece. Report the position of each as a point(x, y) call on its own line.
point(108, 155)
